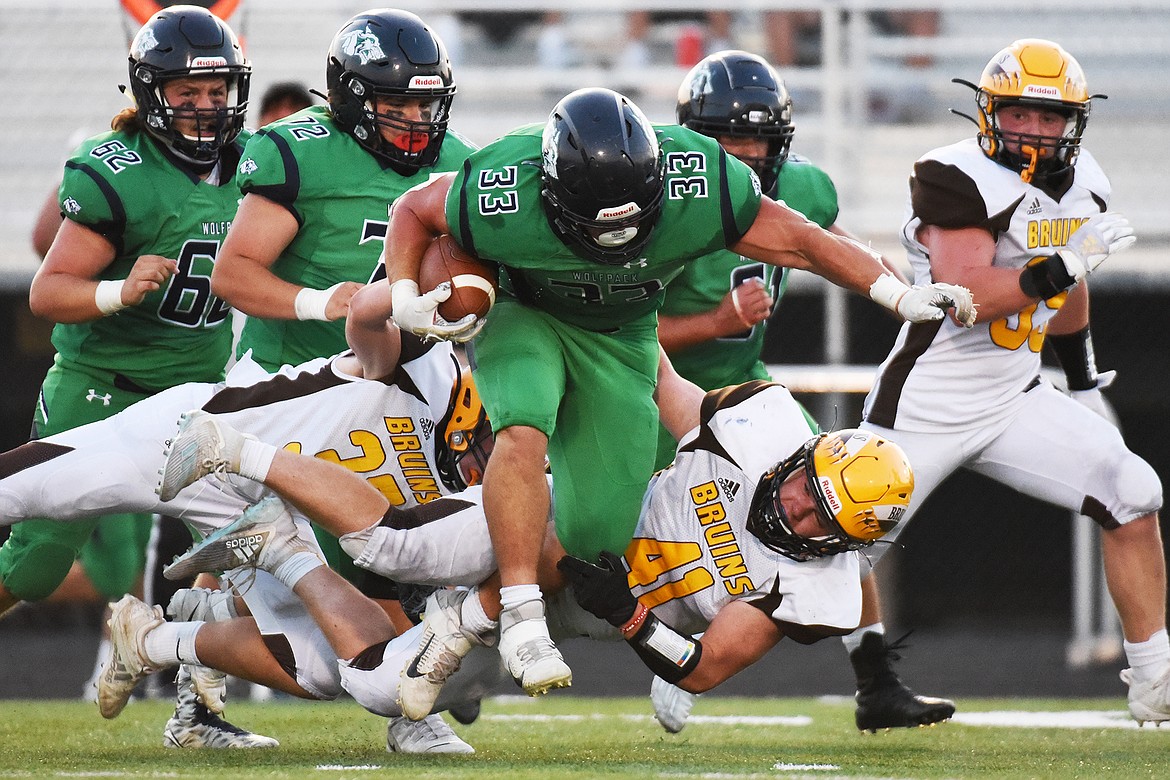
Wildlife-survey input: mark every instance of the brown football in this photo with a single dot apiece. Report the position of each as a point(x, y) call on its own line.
point(473, 282)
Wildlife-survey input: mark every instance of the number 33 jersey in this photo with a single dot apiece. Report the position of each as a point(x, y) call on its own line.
point(692, 553)
point(940, 376)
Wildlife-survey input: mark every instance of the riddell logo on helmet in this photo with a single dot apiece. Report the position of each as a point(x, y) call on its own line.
point(208, 62)
point(617, 212)
point(830, 494)
point(425, 82)
point(1038, 90)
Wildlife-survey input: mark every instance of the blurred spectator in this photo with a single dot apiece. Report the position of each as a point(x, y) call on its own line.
point(636, 53)
point(794, 37)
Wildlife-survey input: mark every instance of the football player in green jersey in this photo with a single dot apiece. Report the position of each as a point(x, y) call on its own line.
point(712, 321)
point(589, 216)
point(126, 279)
point(317, 183)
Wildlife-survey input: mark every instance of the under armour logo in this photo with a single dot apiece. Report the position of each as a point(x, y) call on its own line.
point(93, 396)
point(729, 488)
point(1035, 207)
point(636, 263)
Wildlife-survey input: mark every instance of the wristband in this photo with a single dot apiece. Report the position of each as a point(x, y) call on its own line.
point(669, 654)
point(631, 626)
point(887, 291)
point(310, 304)
point(1046, 278)
point(108, 296)
point(1075, 353)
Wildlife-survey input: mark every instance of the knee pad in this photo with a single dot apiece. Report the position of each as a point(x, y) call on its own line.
point(33, 572)
point(1138, 488)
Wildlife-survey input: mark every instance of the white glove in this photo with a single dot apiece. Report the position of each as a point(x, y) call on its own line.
point(1094, 241)
point(1094, 400)
point(923, 303)
point(419, 313)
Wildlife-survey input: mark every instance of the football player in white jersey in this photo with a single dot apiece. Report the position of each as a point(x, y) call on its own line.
point(1018, 214)
point(400, 412)
point(751, 535)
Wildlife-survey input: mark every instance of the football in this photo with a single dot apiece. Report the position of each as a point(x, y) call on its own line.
point(473, 282)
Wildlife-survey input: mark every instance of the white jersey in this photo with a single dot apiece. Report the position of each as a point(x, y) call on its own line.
point(939, 375)
point(692, 553)
point(384, 429)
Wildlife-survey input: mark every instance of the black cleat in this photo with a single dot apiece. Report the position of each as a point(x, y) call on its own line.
point(466, 713)
point(883, 700)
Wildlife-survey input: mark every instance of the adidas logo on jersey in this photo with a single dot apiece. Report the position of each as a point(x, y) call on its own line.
point(1034, 207)
point(428, 427)
point(729, 488)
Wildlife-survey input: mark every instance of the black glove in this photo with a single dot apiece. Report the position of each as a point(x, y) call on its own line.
point(601, 589)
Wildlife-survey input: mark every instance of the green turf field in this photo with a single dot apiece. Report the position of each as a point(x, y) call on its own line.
point(563, 736)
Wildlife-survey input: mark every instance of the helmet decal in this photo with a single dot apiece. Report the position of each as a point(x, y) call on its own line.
point(362, 44)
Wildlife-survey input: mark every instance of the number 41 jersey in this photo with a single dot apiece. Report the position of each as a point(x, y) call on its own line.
point(692, 553)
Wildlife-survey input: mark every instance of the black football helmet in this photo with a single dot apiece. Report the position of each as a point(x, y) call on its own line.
point(603, 175)
point(182, 41)
point(464, 437)
point(390, 53)
point(734, 93)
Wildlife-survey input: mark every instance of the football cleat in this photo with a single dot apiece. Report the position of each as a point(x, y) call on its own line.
point(189, 604)
point(129, 624)
point(883, 700)
point(203, 445)
point(442, 646)
point(672, 705)
point(466, 713)
point(429, 735)
point(195, 726)
point(532, 658)
point(1149, 701)
point(263, 537)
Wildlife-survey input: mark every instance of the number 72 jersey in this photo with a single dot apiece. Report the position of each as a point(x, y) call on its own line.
point(495, 211)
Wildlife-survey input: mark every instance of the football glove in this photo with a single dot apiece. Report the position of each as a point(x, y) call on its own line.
point(601, 589)
point(923, 303)
point(1093, 399)
point(419, 313)
point(1094, 241)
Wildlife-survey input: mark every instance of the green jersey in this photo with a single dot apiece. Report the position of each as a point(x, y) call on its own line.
point(339, 194)
point(495, 211)
point(701, 286)
point(124, 186)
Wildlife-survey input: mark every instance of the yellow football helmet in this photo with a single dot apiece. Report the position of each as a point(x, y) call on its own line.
point(861, 484)
point(1033, 72)
point(465, 439)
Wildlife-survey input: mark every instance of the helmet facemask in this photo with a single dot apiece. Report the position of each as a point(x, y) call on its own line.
point(737, 94)
point(1038, 74)
point(391, 55)
point(860, 483)
point(603, 176)
point(464, 437)
point(189, 42)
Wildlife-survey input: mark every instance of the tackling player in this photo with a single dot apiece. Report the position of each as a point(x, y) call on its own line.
point(751, 536)
point(1018, 215)
point(590, 215)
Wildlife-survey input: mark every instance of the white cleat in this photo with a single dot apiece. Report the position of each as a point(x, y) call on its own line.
point(130, 622)
point(195, 726)
point(203, 445)
point(442, 646)
point(210, 606)
point(263, 537)
point(429, 735)
point(532, 658)
point(672, 705)
point(1149, 701)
